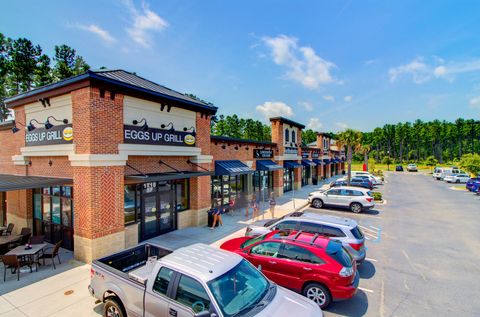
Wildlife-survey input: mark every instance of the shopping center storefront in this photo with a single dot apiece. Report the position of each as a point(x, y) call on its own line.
point(110, 159)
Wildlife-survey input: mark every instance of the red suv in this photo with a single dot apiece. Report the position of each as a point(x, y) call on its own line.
point(315, 266)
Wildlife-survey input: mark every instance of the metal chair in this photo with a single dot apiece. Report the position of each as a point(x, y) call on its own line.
point(53, 254)
point(12, 262)
point(9, 230)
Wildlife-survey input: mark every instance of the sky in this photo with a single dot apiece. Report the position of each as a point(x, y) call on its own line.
point(327, 64)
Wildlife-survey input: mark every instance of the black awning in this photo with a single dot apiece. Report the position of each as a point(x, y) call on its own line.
point(319, 162)
point(267, 165)
point(16, 182)
point(308, 163)
point(158, 177)
point(232, 168)
point(291, 164)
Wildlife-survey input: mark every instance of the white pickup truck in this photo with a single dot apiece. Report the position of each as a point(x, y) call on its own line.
point(194, 281)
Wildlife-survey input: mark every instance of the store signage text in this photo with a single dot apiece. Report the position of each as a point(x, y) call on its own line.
point(59, 134)
point(291, 150)
point(262, 153)
point(135, 135)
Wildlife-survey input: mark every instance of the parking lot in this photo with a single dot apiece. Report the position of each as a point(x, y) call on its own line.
point(423, 255)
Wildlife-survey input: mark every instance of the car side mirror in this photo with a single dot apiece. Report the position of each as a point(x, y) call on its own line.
point(205, 313)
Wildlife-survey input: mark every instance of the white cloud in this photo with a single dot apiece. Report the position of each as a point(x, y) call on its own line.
point(302, 62)
point(274, 109)
point(419, 71)
point(347, 98)
point(314, 124)
point(143, 23)
point(95, 29)
point(329, 98)
point(306, 105)
point(341, 125)
point(370, 62)
point(475, 102)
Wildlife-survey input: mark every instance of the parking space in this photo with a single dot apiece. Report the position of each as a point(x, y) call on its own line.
point(422, 251)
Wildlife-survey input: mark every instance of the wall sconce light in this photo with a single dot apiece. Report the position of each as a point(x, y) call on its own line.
point(144, 126)
point(30, 163)
point(170, 124)
point(45, 102)
point(162, 107)
point(30, 126)
point(14, 128)
point(224, 146)
point(48, 125)
point(236, 147)
point(247, 148)
point(191, 128)
point(50, 162)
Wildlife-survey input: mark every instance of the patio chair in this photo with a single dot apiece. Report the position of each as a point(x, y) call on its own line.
point(25, 238)
point(25, 231)
point(37, 239)
point(12, 262)
point(53, 254)
point(9, 230)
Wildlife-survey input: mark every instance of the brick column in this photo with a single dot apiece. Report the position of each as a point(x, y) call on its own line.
point(278, 181)
point(98, 185)
point(19, 209)
point(297, 172)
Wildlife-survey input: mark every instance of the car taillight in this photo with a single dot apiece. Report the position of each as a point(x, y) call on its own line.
point(356, 246)
point(346, 271)
point(92, 273)
point(369, 199)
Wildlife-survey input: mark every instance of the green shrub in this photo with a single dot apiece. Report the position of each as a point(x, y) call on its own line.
point(377, 196)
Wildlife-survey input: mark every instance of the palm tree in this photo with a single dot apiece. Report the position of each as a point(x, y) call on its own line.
point(365, 149)
point(351, 140)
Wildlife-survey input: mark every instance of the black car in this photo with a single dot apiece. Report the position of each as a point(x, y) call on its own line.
point(399, 168)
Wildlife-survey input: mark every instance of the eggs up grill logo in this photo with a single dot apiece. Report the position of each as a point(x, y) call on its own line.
point(68, 134)
point(189, 139)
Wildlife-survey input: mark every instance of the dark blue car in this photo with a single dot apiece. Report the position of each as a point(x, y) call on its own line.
point(473, 184)
point(356, 182)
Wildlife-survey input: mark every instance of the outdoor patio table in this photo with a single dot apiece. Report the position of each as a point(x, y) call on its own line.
point(9, 239)
point(20, 251)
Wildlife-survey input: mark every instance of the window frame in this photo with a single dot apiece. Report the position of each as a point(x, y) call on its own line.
point(285, 245)
point(174, 291)
point(171, 283)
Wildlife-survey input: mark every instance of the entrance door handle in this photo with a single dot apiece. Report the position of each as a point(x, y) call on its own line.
point(307, 269)
point(272, 262)
point(172, 312)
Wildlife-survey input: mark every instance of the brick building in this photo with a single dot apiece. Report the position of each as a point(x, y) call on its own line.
point(107, 159)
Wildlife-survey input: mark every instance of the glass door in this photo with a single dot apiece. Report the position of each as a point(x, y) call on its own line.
point(166, 212)
point(150, 216)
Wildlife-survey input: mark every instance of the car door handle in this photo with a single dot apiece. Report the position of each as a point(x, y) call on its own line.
point(307, 269)
point(172, 312)
point(272, 262)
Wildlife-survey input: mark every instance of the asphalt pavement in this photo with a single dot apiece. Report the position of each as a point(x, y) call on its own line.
point(423, 251)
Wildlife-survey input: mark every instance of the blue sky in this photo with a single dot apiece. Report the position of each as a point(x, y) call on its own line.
point(327, 64)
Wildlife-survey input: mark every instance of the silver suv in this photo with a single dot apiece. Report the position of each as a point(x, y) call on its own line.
point(355, 198)
point(342, 229)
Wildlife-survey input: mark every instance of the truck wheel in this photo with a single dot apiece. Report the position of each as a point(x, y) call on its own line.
point(317, 203)
point(113, 309)
point(318, 293)
point(356, 208)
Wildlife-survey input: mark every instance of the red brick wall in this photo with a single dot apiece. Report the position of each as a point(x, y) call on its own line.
point(202, 138)
point(277, 135)
point(98, 200)
point(10, 144)
point(97, 121)
point(60, 166)
point(149, 164)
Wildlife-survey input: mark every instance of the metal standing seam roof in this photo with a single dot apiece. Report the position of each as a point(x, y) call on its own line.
point(267, 165)
point(121, 78)
point(291, 164)
point(308, 163)
point(231, 167)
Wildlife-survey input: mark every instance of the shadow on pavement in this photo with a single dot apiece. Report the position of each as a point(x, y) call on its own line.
point(355, 306)
point(366, 270)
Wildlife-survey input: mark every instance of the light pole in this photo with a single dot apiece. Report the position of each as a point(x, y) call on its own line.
point(388, 162)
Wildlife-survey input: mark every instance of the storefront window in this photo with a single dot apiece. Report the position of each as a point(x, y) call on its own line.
point(56, 210)
point(182, 198)
point(287, 136)
point(227, 188)
point(287, 179)
point(129, 203)
point(263, 183)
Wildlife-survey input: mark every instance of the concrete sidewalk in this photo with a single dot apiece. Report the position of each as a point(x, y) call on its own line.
point(66, 294)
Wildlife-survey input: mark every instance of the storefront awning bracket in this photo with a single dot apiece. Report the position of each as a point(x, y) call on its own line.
point(194, 164)
point(136, 170)
point(173, 168)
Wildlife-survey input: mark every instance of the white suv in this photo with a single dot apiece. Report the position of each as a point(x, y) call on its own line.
point(355, 198)
point(412, 168)
point(342, 229)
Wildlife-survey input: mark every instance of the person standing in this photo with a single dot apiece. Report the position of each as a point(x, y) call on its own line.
point(273, 203)
point(255, 203)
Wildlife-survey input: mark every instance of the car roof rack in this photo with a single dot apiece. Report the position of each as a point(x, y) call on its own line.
point(295, 238)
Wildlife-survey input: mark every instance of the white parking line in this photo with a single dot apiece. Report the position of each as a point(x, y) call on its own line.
point(374, 228)
point(366, 290)
point(371, 260)
point(367, 229)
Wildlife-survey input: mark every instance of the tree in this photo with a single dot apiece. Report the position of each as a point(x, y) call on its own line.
point(67, 63)
point(431, 161)
point(365, 149)
point(23, 58)
point(387, 160)
point(471, 163)
point(309, 136)
point(4, 43)
point(351, 140)
point(43, 72)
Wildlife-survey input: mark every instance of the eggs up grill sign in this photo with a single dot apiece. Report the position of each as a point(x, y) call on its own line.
point(136, 135)
point(59, 134)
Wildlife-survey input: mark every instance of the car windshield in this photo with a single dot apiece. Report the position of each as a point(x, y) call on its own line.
point(240, 289)
point(339, 254)
point(249, 242)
